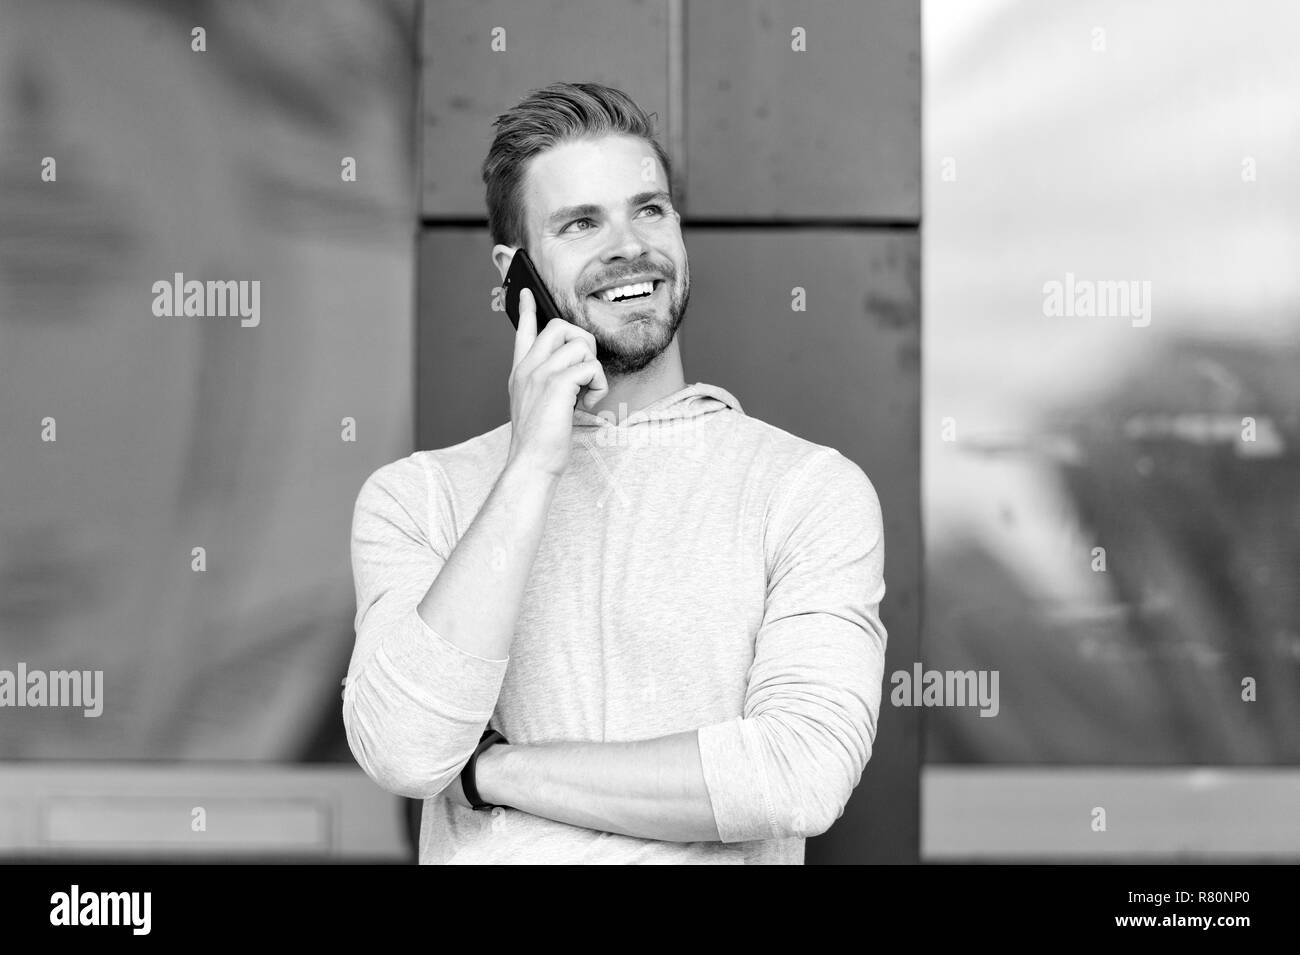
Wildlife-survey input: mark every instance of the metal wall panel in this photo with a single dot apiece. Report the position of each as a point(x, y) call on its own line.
point(844, 373)
point(831, 134)
point(466, 84)
point(463, 348)
point(833, 131)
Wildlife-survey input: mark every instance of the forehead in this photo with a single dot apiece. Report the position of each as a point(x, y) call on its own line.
point(603, 171)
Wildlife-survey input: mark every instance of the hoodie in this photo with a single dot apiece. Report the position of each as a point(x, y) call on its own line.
point(699, 569)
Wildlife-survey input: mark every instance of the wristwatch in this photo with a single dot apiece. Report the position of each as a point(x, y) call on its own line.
point(490, 737)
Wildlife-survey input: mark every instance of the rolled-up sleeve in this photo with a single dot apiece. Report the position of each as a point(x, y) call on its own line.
point(787, 767)
point(414, 704)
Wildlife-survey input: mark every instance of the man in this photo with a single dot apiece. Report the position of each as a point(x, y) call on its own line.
point(670, 613)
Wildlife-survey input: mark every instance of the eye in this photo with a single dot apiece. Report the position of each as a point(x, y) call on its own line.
point(659, 209)
point(575, 222)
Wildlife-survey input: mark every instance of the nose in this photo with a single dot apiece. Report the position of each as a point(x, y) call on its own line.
point(625, 242)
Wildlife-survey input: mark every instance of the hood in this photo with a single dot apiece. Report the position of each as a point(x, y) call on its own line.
point(690, 402)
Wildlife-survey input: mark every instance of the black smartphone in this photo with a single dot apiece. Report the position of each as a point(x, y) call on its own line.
point(522, 274)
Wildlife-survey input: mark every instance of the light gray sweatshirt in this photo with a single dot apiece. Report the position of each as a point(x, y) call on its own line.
point(699, 569)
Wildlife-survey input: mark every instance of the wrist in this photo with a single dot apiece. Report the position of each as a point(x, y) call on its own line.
point(489, 777)
point(524, 469)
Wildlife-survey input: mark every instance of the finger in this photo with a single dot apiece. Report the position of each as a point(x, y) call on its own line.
point(557, 330)
point(554, 336)
point(526, 333)
point(586, 373)
point(597, 388)
point(570, 353)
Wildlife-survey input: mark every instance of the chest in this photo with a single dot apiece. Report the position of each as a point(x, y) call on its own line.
point(641, 610)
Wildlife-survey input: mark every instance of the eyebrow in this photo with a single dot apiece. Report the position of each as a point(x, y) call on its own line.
point(588, 209)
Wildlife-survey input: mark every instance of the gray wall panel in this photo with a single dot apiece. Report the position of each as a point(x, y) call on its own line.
point(463, 348)
point(833, 131)
point(830, 134)
point(844, 373)
point(466, 84)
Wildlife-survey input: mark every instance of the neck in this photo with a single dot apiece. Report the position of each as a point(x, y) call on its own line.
point(660, 378)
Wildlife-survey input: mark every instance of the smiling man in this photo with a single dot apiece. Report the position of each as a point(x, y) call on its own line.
point(577, 646)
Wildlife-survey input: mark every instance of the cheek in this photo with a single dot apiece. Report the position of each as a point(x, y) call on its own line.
point(678, 252)
point(565, 281)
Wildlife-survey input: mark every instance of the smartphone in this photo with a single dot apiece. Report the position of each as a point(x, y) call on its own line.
point(522, 274)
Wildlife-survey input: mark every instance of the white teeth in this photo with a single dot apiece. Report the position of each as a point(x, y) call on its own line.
point(640, 288)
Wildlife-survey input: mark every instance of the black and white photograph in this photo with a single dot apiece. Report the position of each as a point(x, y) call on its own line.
point(650, 432)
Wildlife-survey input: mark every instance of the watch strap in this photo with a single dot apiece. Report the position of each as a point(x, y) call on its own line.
point(467, 783)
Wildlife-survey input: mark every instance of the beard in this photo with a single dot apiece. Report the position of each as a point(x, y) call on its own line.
point(644, 333)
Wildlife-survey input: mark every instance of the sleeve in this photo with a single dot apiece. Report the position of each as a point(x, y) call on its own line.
point(787, 766)
point(414, 704)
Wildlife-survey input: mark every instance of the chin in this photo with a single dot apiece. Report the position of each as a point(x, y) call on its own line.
point(636, 348)
point(624, 364)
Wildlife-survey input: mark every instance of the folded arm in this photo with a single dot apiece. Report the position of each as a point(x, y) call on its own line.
point(652, 788)
point(434, 620)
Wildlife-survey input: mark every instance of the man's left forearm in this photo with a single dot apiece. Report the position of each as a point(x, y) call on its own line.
point(652, 789)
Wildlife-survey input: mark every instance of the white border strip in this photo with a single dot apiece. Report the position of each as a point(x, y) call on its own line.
point(1041, 814)
point(142, 810)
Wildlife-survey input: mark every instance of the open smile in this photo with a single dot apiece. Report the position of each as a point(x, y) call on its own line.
point(630, 295)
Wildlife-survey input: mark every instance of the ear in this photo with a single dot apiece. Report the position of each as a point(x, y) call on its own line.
point(501, 256)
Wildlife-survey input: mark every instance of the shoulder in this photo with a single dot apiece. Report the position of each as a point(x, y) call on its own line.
point(469, 466)
point(457, 467)
point(436, 491)
point(832, 487)
point(803, 471)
